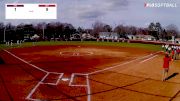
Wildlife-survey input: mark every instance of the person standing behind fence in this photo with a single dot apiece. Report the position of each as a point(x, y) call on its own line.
point(178, 51)
point(163, 47)
point(166, 61)
point(173, 54)
point(166, 47)
point(169, 49)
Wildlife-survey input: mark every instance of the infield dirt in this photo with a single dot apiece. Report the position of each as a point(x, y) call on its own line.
point(82, 72)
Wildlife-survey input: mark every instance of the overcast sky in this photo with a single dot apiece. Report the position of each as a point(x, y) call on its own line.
point(113, 12)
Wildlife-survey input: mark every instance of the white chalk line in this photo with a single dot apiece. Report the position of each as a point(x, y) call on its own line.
point(58, 80)
point(78, 85)
point(47, 73)
point(60, 76)
point(88, 88)
point(72, 78)
point(148, 59)
point(34, 89)
point(112, 67)
point(75, 53)
point(26, 62)
point(80, 74)
point(40, 82)
point(87, 75)
point(55, 73)
point(73, 74)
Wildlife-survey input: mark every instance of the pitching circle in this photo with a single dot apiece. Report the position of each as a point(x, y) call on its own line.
point(69, 53)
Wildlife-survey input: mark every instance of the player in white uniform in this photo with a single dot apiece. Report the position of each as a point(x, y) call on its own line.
point(166, 47)
point(169, 49)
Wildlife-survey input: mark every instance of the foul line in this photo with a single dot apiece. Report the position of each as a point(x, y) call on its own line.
point(41, 81)
point(148, 59)
point(26, 62)
point(73, 74)
point(34, 89)
point(111, 67)
point(88, 89)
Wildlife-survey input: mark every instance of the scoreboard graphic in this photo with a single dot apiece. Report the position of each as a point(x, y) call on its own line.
point(31, 11)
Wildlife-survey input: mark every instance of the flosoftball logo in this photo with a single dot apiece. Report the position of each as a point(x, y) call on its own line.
point(160, 5)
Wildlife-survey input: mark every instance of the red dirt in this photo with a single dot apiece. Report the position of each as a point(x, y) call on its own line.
point(50, 59)
point(51, 78)
point(17, 78)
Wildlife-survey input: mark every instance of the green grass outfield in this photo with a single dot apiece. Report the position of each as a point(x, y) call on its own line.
point(115, 44)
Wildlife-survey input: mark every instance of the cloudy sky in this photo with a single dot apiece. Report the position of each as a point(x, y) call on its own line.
point(113, 12)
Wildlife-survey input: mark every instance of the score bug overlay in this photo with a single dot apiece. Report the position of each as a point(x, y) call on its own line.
point(31, 11)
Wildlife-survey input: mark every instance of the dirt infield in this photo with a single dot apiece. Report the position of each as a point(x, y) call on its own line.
point(86, 73)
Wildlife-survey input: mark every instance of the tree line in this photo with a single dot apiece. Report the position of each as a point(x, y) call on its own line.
point(64, 31)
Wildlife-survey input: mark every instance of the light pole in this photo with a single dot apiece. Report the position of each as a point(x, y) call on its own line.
point(43, 32)
point(5, 34)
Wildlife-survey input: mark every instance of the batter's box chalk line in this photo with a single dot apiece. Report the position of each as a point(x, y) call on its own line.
point(58, 79)
point(78, 85)
point(29, 97)
point(72, 79)
point(87, 85)
point(45, 76)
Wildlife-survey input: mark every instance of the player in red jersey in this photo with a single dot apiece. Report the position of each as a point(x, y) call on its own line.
point(178, 52)
point(173, 54)
point(166, 60)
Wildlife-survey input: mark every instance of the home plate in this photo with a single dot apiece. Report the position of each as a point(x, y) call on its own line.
point(65, 79)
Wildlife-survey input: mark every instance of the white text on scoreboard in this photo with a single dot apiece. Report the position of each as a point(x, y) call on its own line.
point(31, 11)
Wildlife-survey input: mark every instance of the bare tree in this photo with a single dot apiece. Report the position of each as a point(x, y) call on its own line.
point(172, 30)
point(40, 29)
point(1, 31)
point(97, 27)
point(10, 32)
point(50, 31)
point(159, 30)
point(107, 28)
point(59, 29)
point(152, 28)
point(80, 30)
point(20, 31)
point(1, 25)
point(121, 30)
point(68, 31)
point(133, 30)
